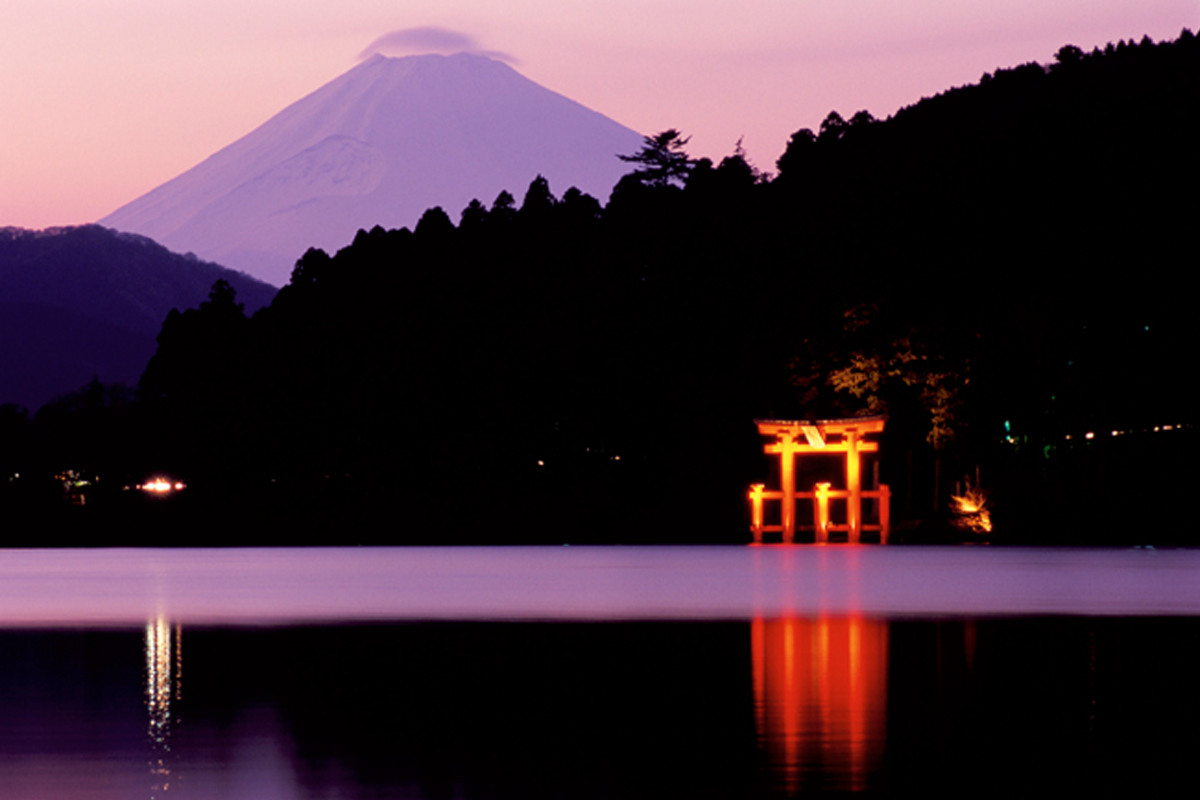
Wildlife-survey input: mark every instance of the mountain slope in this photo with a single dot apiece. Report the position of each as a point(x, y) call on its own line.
point(84, 302)
point(377, 146)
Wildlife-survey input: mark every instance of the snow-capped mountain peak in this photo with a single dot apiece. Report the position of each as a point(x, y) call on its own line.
point(377, 146)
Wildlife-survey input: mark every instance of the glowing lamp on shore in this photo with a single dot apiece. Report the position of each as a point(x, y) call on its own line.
point(161, 486)
point(970, 509)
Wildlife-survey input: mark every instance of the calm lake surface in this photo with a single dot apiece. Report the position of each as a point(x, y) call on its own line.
point(596, 672)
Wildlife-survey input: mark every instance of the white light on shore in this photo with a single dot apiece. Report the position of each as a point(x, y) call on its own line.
point(162, 485)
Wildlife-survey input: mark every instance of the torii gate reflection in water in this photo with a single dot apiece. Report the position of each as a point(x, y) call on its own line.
point(813, 437)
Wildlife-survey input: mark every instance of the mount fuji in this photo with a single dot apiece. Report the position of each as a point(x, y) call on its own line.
point(378, 146)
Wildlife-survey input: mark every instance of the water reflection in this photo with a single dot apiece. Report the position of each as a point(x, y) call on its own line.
point(164, 671)
point(596, 672)
point(822, 705)
point(820, 710)
point(820, 699)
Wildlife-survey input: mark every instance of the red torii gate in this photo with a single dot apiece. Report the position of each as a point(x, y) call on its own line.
point(803, 437)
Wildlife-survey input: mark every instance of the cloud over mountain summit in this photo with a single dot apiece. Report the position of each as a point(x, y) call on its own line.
point(429, 39)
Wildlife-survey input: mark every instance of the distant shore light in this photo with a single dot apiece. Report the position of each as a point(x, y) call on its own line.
point(161, 485)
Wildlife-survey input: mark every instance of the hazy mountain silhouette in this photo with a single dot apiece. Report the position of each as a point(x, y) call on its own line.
point(378, 145)
point(84, 302)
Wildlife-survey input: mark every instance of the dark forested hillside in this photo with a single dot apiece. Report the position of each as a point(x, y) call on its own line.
point(997, 268)
point(84, 302)
point(1037, 228)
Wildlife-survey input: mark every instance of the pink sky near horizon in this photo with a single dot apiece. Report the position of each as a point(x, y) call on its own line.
point(103, 100)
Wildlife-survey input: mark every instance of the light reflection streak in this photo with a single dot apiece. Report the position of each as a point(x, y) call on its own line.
point(820, 697)
point(164, 671)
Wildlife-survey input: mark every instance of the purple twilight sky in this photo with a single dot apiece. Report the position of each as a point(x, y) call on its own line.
point(104, 100)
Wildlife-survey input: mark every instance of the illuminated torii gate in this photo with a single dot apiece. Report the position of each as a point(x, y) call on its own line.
point(804, 437)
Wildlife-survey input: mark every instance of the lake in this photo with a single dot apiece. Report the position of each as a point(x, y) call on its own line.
point(596, 672)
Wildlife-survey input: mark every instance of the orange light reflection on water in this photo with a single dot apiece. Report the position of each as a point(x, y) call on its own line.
point(820, 694)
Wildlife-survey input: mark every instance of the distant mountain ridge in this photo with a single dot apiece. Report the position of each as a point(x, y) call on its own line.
point(84, 302)
point(378, 146)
